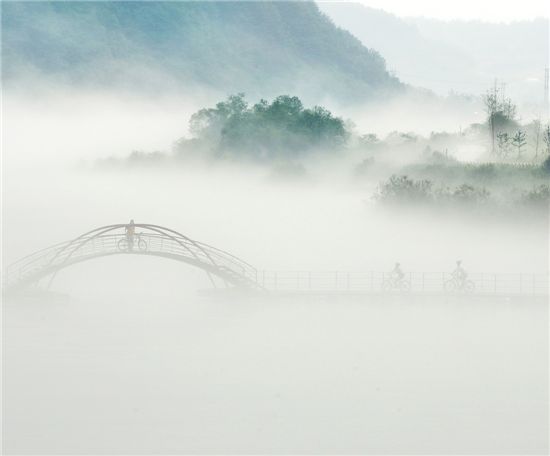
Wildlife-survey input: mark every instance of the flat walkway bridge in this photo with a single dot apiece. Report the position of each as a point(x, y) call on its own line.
point(227, 270)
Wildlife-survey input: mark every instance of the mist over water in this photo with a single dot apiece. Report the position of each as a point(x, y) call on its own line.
point(126, 356)
point(187, 375)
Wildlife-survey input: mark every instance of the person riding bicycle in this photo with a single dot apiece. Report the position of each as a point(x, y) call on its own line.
point(130, 232)
point(459, 274)
point(395, 280)
point(397, 274)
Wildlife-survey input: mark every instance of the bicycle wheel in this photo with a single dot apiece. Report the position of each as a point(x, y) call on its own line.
point(387, 286)
point(122, 245)
point(405, 286)
point(142, 245)
point(469, 286)
point(450, 285)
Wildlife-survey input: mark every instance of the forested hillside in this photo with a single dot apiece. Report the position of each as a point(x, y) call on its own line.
point(260, 48)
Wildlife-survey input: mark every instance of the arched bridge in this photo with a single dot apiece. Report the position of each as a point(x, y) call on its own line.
point(148, 239)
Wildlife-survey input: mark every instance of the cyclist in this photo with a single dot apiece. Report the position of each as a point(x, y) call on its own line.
point(130, 232)
point(397, 274)
point(459, 274)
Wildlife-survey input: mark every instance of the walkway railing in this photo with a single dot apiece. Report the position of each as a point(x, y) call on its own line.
point(418, 282)
point(164, 242)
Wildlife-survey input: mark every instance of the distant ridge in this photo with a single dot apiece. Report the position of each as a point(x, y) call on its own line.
point(463, 56)
point(262, 48)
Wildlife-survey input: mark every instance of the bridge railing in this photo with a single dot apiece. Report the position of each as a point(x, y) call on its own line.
point(143, 243)
point(94, 245)
point(419, 282)
point(30, 263)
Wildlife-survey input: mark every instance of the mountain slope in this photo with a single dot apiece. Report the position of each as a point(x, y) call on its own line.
point(464, 56)
point(262, 48)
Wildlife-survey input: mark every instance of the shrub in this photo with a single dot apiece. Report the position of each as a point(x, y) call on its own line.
point(539, 194)
point(469, 194)
point(402, 189)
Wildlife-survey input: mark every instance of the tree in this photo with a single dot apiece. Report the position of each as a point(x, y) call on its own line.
point(503, 141)
point(519, 140)
point(282, 128)
point(546, 138)
point(211, 121)
point(491, 106)
point(466, 193)
point(501, 113)
point(537, 126)
point(402, 189)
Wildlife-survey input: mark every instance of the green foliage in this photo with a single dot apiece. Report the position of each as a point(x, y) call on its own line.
point(469, 194)
point(501, 113)
point(546, 138)
point(260, 47)
point(539, 195)
point(406, 191)
point(437, 158)
point(493, 174)
point(402, 189)
point(503, 142)
point(282, 128)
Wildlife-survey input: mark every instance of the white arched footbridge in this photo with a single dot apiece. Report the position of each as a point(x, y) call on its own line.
point(152, 240)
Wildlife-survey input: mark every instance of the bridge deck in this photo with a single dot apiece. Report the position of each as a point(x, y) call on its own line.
point(428, 283)
point(232, 271)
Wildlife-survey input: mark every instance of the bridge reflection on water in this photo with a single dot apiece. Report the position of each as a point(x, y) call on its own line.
point(227, 270)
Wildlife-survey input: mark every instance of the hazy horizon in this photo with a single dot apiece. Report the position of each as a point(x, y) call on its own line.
point(377, 243)
point(467, 10)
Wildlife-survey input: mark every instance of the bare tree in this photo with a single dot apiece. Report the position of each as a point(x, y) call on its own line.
point(501, 113)
point(490, 100)
point(537, 126)
point(519, 140)
point(546, 138)
point(503, 141)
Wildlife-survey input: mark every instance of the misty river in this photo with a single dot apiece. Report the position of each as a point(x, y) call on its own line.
point(127, 355)
point(194, 375)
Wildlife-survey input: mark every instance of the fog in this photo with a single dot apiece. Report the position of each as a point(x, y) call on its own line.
point(454, 55)
point(127, 354)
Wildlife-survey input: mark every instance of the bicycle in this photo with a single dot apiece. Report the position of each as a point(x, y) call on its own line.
point(456, 285)
point(125, 246)
point(396, 284)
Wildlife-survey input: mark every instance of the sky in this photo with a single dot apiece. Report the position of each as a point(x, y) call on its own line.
point(486, 10)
